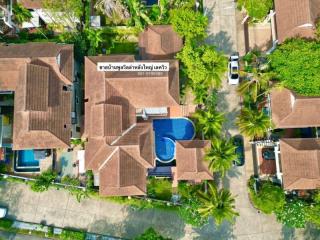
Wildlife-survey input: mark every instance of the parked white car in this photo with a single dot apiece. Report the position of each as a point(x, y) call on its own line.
point(233, 70)
point(3, 212)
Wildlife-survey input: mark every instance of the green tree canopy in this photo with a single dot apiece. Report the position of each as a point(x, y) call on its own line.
point(256, 9)
point(209, 122)
point(204, 64)
point(221, 156)
point(313, 210)
point(218, 204)
point(138, 13)
point(297, 64)
point(253, 123)
point(269, 198)
point(189, 24)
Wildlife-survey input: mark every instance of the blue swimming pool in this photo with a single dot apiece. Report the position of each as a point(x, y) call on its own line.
point(26, 158)
point(167, 131)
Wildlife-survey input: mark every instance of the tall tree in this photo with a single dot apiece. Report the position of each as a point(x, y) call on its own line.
point(253, 123)
point(256, 9)
point(221, 156)
point(297, 64)
point(189, 24)
point(209, 122)
point(219, 204)
point(204, 65)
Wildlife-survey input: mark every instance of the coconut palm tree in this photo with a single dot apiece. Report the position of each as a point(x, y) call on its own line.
point(221, 156)
point(138, 13)
point(209, 122)
point(113, 9)
point(253, 123)
point(21, 14)
point(200, 93)
point(218, 204)
point(258, 83)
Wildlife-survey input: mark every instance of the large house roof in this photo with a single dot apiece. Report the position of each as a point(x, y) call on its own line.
point(159, 42)
point(189, 160)
point(292, 111)
point(42, 104)
point(296, 18)
point(117, 144)
point(300, 162)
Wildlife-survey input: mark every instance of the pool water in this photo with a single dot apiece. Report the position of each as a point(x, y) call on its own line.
point(167, 131)
point(26, 159)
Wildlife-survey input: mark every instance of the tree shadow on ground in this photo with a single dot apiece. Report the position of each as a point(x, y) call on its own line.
point(311, 233)
point(230, 123)
point(167, 223)
point(222, 41)
point(212, 231)
point(288, 233)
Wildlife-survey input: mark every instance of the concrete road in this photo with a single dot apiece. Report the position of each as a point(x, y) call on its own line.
point(14, 236)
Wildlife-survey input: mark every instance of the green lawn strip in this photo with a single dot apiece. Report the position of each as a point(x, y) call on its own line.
point(124, 47)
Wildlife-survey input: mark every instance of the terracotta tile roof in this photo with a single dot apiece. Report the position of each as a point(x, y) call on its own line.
point(42, 109)
point(159, 42)
point(300, 163)
point(110, 122)
point(292, 111)
point(122, 175)
point(296, 18)
point(189, 160)
point(31, 4)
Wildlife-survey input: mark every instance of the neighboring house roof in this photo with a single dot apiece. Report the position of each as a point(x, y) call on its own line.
point(159, 42)
point(292, 111)
point(117, 144)
point(296, 18)
point(300, 163)
point(42, 104)
point(31, 4)
point(190, 163)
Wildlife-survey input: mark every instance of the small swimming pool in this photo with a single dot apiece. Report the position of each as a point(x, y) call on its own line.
point(167, 131)
point(26, 159)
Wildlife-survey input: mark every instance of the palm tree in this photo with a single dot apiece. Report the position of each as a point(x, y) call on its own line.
point(138, 12)
point(113, 9)
point(218, 204)
point(209, 122)
point(216, 65)
point(253, 123)
point(259, 82)
point(200, 94)
point(221, 156)
point(21, 14)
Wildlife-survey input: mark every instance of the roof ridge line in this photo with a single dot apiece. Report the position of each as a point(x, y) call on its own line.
point(124, 133)
point(108, 158)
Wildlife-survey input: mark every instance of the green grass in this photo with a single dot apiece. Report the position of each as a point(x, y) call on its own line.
point(124, 47)
point(159, 189)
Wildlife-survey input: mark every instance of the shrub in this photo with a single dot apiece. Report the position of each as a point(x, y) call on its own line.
point(160, 189)
point(293, 213)
point(6, 224)
point(3, 167)
point(150, 234)
point(270, 197)
point(43, 181)
point(89, 180)
point(68, 234)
